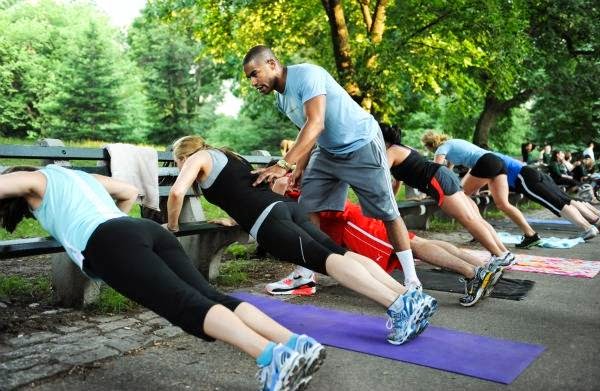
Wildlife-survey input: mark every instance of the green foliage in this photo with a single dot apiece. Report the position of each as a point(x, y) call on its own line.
point(568, 32)
point(63, 74)
point(11, 286)
point(177, 83)
point(529, 206)
point(27, 228)
point(111, 301)
point(240, 251)
point(87, 102)
point(511, 131)
point(234, 272)
point(211, 211)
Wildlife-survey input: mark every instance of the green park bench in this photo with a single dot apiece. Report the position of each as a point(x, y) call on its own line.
point(204, 242)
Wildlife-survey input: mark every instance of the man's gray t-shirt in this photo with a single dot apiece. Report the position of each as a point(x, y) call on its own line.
point(348, 126)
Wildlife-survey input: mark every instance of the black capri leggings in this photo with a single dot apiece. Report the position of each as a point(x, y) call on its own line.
point(290, 236)
point(141, 260)
point(540, 188)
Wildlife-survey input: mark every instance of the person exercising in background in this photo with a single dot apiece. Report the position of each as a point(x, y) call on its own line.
point(485, 169)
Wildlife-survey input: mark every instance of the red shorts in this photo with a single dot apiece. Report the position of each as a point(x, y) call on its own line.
point(362, 235)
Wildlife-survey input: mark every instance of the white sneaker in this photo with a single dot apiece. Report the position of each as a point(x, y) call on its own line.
point(414, 285)
point(294, 285)
point(590, 233)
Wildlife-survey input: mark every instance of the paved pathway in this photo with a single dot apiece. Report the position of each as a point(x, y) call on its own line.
point(144, 352)
point(29, 358)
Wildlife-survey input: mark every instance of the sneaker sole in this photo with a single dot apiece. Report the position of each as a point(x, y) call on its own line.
point(496, 277)
point(290, 290)
point(293, 376)
point(418, 320)
point(313, 363)
point(428, 309)
point(481, 291)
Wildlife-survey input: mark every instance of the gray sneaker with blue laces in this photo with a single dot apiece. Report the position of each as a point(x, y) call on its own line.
point(408, 316)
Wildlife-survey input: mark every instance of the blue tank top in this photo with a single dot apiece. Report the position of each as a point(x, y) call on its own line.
point(73, 206)
point(512, 167)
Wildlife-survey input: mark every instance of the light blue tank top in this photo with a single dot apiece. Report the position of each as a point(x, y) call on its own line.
point(460, 152)
point(73, 206)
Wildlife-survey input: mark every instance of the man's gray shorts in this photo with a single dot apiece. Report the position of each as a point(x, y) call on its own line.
point(327, 176)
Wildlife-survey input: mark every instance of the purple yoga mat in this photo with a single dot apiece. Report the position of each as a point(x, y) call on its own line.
point(474, 355)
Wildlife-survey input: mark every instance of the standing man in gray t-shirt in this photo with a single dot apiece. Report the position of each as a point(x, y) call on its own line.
point(350, 148)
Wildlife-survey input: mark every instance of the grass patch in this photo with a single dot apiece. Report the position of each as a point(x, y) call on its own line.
point(27, 228)
point(442, 225)
point(11, 286)
point(211, 211)
point(494, 214)
point(234, 272)
point(529, 206)
point(240, 251)
point(400, 196)
point(111, 301)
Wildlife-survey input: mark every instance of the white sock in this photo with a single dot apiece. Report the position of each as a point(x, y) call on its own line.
point(302, 271)
point(397, 305)
point(408, 265)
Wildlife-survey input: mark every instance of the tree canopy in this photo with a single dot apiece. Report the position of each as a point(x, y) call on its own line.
point(497, 72)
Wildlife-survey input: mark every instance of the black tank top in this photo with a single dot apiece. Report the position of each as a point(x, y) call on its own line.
point(415, 170)
point(233, 192)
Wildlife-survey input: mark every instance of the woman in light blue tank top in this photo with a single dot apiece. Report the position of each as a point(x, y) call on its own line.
point(485, 169)
point(146, 263)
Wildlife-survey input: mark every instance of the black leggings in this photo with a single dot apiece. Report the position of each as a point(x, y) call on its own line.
point(290, 236)
point(568, 182)
point(141, 260)
point(540, 188)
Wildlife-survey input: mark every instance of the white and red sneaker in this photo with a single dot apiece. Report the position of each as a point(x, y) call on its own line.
point(294, 284)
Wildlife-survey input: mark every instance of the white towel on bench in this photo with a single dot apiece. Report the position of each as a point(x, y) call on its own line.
point(137, 166)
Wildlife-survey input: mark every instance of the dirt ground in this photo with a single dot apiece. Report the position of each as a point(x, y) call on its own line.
point(22, 314)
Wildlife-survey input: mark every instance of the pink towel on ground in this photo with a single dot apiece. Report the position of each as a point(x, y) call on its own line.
point(550, 265)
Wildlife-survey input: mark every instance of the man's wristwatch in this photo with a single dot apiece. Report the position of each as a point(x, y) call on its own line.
point(287, 166)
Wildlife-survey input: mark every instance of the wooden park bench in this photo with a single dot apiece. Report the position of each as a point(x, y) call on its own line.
point(203, 242)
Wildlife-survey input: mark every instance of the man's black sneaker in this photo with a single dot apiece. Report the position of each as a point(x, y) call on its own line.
point(476, 286)
point(529, 241)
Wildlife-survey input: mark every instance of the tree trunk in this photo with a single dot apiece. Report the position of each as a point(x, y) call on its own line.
point(378, 25)
point(341, 46)
point(487, 119)
point(493, 109)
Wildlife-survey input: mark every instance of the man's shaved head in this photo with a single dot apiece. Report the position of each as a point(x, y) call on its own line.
point(260, 53)
point(263, 70)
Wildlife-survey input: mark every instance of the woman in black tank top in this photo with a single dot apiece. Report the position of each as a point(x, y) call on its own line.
point(287, 234)
point(437, 181)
